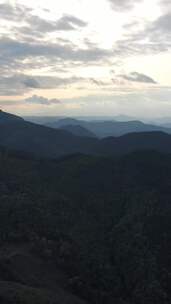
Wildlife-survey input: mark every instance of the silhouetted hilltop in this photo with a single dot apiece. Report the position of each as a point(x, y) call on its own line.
point(40, 140)
point(158, 141)
point(8, 118)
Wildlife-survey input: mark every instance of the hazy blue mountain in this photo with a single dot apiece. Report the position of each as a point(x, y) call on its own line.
point(166, 125)
point(42, 119)
point(123, 118)
point(78, 130)
point(49, 119)
point(109, 128)
point(162, 120)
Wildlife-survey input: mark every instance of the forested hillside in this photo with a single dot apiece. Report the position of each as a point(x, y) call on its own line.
point(101, 226)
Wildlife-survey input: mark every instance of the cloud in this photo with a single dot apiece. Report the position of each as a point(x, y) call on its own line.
point(99, 83)
point(138, 77)
point(51, 82)
point(20, 84)
point(165, 4)
point(69, 22)
point(13, 12)
point(35, 99)
point(27, 45)
point(123, 5)
point(122, 82)
point(28, 48)
point(145, 38)
point(30, 82)
point(38, 27)
point(35, 25)
point(32, 100)
point(18, 53)
point(160, 29)
point(15, 85)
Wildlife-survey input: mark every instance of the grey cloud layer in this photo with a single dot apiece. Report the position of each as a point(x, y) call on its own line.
point(160, 30)
point(19, 84)
point(37, 27)
point(16, 50)
point(35, 23)
point(138, 77)
point(13, 13)
point(154, 38)
point(13, 49)
point(20, 56)
point(68, 22)
point(33, 100)
point(122, 5)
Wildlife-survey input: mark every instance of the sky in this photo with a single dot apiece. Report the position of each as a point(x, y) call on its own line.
point(86, 57)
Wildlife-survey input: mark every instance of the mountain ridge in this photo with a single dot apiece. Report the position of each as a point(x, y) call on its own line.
point(43, 141)
point(109, 128)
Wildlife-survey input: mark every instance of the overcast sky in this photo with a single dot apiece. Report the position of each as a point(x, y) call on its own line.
point(86, 57)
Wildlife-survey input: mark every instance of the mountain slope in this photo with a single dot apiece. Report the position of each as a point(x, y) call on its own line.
point(8, 118)
point(104, 222)
point(158, 141)
point(78, 130)
point(43, 141)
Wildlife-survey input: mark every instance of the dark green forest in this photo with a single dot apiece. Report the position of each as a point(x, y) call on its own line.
point(85, 228)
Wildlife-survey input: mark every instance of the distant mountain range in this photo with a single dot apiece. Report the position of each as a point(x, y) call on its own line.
point(108, 128)
point(47, 119)
point(43, 141)
point(103, 126)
